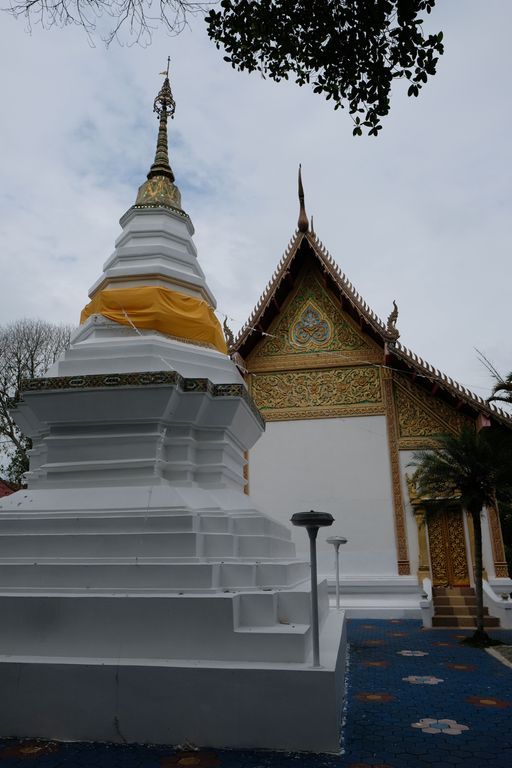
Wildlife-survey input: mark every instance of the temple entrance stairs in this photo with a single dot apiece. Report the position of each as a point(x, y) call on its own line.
point(455, 607)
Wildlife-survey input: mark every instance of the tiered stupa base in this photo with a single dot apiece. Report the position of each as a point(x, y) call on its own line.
point(144, 598)
point(118, 629)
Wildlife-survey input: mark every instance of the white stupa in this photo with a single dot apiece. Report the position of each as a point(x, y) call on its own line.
point(142, 597)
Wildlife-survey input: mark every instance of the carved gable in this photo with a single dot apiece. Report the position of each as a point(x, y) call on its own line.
point(422, 417)
point(318, 394)
point(311, 331)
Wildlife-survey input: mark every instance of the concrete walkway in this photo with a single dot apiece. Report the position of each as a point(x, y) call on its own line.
point(416, 699)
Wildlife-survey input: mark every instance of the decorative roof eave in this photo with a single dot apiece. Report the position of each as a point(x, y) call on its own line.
point(248, 328)
point(445, 383)
point(328, 266)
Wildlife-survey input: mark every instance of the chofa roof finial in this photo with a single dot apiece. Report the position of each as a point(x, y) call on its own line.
point(391, 329)
point(303, 224)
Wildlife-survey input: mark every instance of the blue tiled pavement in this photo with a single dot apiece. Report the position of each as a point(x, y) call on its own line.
point(416, 699)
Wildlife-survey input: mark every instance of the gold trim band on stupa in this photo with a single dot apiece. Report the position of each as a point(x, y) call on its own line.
point(159, 189)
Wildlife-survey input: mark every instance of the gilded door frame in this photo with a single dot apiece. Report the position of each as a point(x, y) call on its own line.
point(454, 579)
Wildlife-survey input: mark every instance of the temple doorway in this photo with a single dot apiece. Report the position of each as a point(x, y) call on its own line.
point(447, 545)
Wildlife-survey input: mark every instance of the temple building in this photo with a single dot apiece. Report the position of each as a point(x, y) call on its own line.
point(345, 406)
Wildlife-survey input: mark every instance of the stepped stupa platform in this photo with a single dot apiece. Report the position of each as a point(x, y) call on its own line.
point(144, 598)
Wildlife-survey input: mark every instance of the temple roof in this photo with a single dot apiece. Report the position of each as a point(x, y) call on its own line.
point(304, 249)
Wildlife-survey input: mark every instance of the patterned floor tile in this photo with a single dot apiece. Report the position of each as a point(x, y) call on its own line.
point(444, 726)
point(488, 701)
point(422, 680)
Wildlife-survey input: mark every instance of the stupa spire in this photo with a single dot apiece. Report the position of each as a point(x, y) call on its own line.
point(164, 106)
point(160, 189)
point(302, 224)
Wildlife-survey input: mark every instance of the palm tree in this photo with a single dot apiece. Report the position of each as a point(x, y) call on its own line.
point(476, 469)
point(502, 390)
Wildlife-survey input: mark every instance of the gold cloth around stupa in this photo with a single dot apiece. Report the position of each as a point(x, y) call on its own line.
point(151, 307)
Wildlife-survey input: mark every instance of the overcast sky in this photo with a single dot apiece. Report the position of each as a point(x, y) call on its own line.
point(421, 215)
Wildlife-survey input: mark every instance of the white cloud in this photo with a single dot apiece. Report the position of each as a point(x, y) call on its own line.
point(420, 214)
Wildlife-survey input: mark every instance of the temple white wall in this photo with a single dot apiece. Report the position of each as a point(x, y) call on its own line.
point(339, 466)
point(410, 521)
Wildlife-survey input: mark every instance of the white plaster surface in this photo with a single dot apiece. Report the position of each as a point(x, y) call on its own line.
point(159, 701)
point(493, 600)
point(102, 346)
point(155, 248)
point(339, 466)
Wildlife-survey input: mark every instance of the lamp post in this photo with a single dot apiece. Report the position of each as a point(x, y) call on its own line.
point(337, 541)
point(312, 521)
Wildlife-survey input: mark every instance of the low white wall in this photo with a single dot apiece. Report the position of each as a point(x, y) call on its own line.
point(498, 607)
point(223, 705)
point(339, 466)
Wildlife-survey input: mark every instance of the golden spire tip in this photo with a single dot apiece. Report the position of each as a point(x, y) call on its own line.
point(160, 189)
point(164, 106)
point(303, 224)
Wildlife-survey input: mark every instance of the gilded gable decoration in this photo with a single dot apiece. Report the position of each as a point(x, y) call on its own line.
point(318, 394)
point(422, 418)
point(402, 548)
point(311, 330)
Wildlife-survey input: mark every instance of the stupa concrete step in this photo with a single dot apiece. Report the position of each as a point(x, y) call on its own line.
point(155, 627)
point(274, 608)
point(142, 543)
point(95, 523)
point(139, 520)
point(148, 573)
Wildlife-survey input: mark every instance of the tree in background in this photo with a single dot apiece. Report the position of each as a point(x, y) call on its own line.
point(475, 468)
point(502, 390)
point(349, 51)
point(27, 349)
